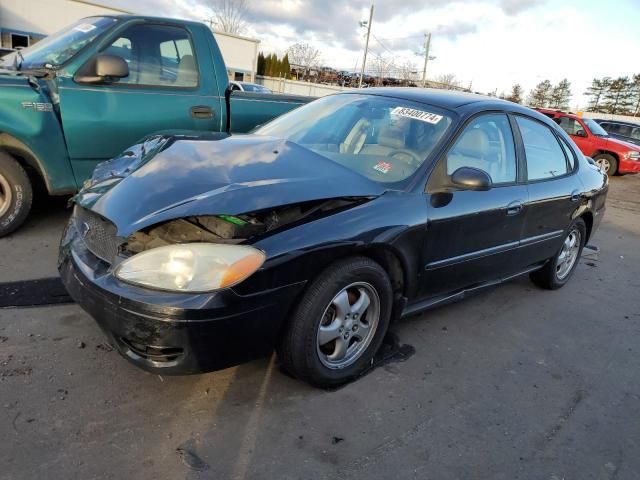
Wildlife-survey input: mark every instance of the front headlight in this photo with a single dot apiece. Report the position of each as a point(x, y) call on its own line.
point(634, 155)
point(191, 267)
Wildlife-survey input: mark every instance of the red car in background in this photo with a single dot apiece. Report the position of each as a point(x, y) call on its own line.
point(612, 155)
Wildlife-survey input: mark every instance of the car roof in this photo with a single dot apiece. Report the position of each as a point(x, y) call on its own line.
point(559, 113)
point(621, 122)
point(444, 98)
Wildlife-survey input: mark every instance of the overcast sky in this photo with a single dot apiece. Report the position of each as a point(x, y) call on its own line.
point(489, 43)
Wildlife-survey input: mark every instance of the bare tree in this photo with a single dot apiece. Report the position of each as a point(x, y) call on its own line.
point(229, 15)
point(448, 81)
point(303, 56)
point(408, 71)
point(381, 67)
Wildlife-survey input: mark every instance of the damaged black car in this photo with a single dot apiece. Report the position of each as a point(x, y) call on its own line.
point(314, 232)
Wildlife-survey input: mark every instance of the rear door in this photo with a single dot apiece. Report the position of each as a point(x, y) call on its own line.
point(165, 90)
point(472, 236)
point(554, 190)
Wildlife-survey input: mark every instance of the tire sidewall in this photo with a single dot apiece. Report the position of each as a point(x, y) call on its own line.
point(580, 225)
point(331, 285)
point(21, 195)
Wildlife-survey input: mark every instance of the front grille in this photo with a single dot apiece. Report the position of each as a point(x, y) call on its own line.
point(99, 235)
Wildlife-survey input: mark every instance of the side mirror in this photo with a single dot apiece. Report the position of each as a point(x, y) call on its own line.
point(472, 179)
point(102, 69)
point(581, 133)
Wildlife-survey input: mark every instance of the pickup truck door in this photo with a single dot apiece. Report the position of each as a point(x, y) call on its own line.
point(171, 86)
point(579, 133)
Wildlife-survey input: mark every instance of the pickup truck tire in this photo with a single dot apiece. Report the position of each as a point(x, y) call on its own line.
point(338, 324)
point(16, 194)
point(608, 163)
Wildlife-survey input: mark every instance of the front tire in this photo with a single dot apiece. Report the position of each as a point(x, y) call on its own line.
point(16, 194)
point(557, 272)
point(607, 163)
point(339, 324)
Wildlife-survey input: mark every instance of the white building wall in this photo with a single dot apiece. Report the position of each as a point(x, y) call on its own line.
point(44, 17)
point(240, 55)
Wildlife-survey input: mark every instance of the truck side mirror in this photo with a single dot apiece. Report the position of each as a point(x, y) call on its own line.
point(102, 69)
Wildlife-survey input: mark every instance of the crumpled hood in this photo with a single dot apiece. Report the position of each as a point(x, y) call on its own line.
point(232, 175)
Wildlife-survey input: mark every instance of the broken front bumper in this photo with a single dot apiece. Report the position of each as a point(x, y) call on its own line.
point(174, 333)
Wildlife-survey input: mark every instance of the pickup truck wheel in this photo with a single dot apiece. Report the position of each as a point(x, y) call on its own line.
point(607, 163)
point(557, 272)
point(339, 323)
point(16, 194)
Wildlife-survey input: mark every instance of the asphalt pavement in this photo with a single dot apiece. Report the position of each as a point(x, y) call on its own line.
point(514, 383)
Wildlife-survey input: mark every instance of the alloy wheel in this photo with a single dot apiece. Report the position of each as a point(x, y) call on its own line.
point(348, 325)
point(604, 164)
point(569, 254)
point(5, 195)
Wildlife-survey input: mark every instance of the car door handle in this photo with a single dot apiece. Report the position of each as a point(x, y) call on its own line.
point(576, 196)
point(514, 208)
point(201, 111)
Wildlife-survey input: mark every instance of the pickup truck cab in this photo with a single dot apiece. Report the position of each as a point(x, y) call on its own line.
point(85, 94)
point(614, 156)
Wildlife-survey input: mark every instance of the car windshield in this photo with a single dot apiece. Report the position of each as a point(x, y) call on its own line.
point(59, 47)
point(595, 128)
point(384, 139)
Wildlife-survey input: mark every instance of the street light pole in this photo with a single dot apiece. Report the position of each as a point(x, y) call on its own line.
point(366, 46)
point(427, 44)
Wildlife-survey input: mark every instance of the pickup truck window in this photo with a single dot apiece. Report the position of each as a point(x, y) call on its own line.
point(157, 55)
point(56, 49)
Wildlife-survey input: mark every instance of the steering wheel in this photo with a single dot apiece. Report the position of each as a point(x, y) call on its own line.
point(407, 156)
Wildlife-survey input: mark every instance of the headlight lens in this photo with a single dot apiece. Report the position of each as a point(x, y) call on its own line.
point(191, 267)
point(634, 155)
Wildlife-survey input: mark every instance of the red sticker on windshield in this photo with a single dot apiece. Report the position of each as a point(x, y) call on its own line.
point(382, 167)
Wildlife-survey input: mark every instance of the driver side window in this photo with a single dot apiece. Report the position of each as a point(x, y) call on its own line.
point(486, 144)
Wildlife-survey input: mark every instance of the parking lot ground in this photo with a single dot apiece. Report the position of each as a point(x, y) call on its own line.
point(514, 383)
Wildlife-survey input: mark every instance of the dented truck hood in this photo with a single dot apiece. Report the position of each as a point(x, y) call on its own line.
point(166, 178)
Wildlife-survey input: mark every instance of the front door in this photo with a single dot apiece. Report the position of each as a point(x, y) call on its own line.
point(472, 236)
point(579, 133)
point(164, 85)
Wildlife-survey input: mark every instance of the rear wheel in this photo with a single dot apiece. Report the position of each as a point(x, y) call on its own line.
point(16, 194)
point(558, 270)
point(339, 324)
point(607, 163)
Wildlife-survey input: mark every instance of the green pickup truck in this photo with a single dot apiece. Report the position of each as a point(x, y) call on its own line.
point(85, 94)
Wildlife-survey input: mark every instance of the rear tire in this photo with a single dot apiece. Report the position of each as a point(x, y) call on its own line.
point(16, 194)
point(607, 163)
point(558, 270)
point(332, 337)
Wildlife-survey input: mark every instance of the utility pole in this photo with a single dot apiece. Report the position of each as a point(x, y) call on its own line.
point(427, 43)
point(366, 45)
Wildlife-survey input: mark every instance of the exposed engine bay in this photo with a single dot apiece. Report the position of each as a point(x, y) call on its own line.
point(232, 229)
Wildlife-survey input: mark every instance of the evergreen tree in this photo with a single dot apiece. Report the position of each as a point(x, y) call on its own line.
point(560, 95)
point(260, 69)
point(286, 67)
point(516, 94)
point(595, 92)
point(539, 96)
point(636, 94)
point(619, 96)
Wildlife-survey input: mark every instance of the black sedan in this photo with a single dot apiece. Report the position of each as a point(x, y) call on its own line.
point(310, 235)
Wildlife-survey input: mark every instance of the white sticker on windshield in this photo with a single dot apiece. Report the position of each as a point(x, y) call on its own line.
point(417, 114)
point(84, 27)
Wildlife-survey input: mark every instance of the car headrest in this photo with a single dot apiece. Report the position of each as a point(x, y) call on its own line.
point(473, 143)
point(391, 137)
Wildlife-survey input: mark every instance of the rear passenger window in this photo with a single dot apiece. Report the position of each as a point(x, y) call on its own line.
point(487, 144)
point(571, 158)
point(545, 157)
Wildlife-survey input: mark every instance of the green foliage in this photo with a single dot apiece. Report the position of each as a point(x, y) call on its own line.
point(615, 95)
point(272, 66)
point(516, 94)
